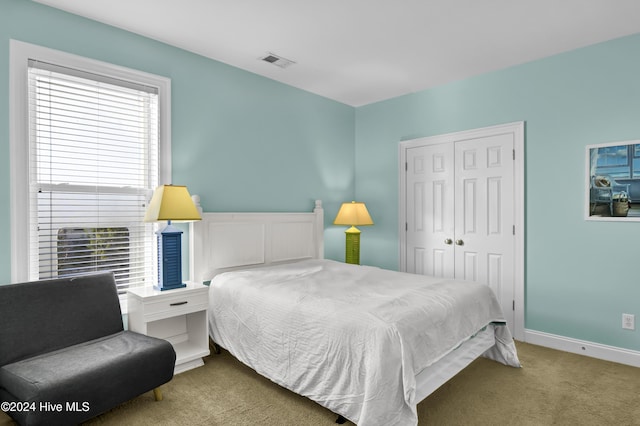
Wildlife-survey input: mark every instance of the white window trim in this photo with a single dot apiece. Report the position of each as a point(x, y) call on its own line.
point(20, 53)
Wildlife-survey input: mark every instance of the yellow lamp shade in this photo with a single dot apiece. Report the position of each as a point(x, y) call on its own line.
point(171, 202)
point(353, 214)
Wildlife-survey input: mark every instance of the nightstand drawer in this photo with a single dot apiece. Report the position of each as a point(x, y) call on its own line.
point(177, 305)
point(147, 304)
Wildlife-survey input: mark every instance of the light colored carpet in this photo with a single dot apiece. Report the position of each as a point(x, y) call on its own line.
point(552, 388)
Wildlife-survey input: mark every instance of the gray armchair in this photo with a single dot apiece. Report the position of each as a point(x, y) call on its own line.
point(65, 356)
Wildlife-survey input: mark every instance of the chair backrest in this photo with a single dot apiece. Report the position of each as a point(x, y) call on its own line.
point(42, 316)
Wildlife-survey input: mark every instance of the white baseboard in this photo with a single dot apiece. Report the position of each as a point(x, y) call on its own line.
point(581, 347)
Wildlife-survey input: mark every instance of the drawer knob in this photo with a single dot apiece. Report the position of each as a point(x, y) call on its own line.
point(179, 303)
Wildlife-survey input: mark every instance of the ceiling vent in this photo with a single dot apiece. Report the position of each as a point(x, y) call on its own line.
point(277, 60)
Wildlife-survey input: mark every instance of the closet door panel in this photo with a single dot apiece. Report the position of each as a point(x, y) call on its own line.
point(484, 210)
point(430, 213)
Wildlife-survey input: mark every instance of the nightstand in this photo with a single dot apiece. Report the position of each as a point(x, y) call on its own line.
point(179, 316)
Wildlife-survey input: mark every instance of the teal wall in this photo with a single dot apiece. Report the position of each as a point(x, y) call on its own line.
point(580, 275)
point(240, 141)
point(244, 142)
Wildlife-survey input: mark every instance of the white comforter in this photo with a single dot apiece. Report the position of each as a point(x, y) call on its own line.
point(351, 338)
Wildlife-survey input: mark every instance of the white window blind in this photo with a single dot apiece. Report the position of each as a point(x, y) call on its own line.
point(93, 157)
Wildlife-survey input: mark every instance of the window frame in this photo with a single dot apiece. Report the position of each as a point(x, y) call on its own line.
point(20, 53)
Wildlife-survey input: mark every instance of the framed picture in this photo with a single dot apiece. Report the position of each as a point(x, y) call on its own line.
point(613, 181)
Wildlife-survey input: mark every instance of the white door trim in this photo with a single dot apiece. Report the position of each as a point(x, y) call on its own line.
point(515, 128)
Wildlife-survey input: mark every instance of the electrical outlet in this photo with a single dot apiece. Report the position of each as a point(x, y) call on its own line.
point(628, 321)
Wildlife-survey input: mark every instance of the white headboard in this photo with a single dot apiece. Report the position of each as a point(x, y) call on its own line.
point(223, 242)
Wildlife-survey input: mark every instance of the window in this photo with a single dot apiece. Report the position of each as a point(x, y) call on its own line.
point(619, 162)
point(93, 145)
point(635, 165)
point(83, 250)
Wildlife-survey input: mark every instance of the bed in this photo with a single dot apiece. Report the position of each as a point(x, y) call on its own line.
point(364, 342)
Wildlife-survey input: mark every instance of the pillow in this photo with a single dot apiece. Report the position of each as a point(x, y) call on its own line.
point(602, 181)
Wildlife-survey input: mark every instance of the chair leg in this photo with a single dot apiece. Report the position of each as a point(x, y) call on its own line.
point(157, 393)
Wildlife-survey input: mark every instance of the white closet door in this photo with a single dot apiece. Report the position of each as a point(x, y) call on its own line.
point(484, 217)
point(459, 207)
point(430, 214)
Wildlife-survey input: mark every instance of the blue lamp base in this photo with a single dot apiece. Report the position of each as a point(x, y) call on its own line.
point(169, 258)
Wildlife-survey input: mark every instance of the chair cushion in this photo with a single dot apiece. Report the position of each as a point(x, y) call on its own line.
point(97, 375)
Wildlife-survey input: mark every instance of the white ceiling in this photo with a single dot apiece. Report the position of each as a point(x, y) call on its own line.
point(362, 51)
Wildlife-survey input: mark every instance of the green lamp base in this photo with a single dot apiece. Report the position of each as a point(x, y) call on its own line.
point(352, 253)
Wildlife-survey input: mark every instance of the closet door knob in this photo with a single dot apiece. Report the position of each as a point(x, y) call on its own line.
point(448, 241)
point(459, 242)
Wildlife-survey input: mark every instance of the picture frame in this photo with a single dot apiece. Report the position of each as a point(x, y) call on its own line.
point(613, 181)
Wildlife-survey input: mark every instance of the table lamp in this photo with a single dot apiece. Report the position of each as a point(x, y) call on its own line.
point(170, 202)
point(353, 214)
